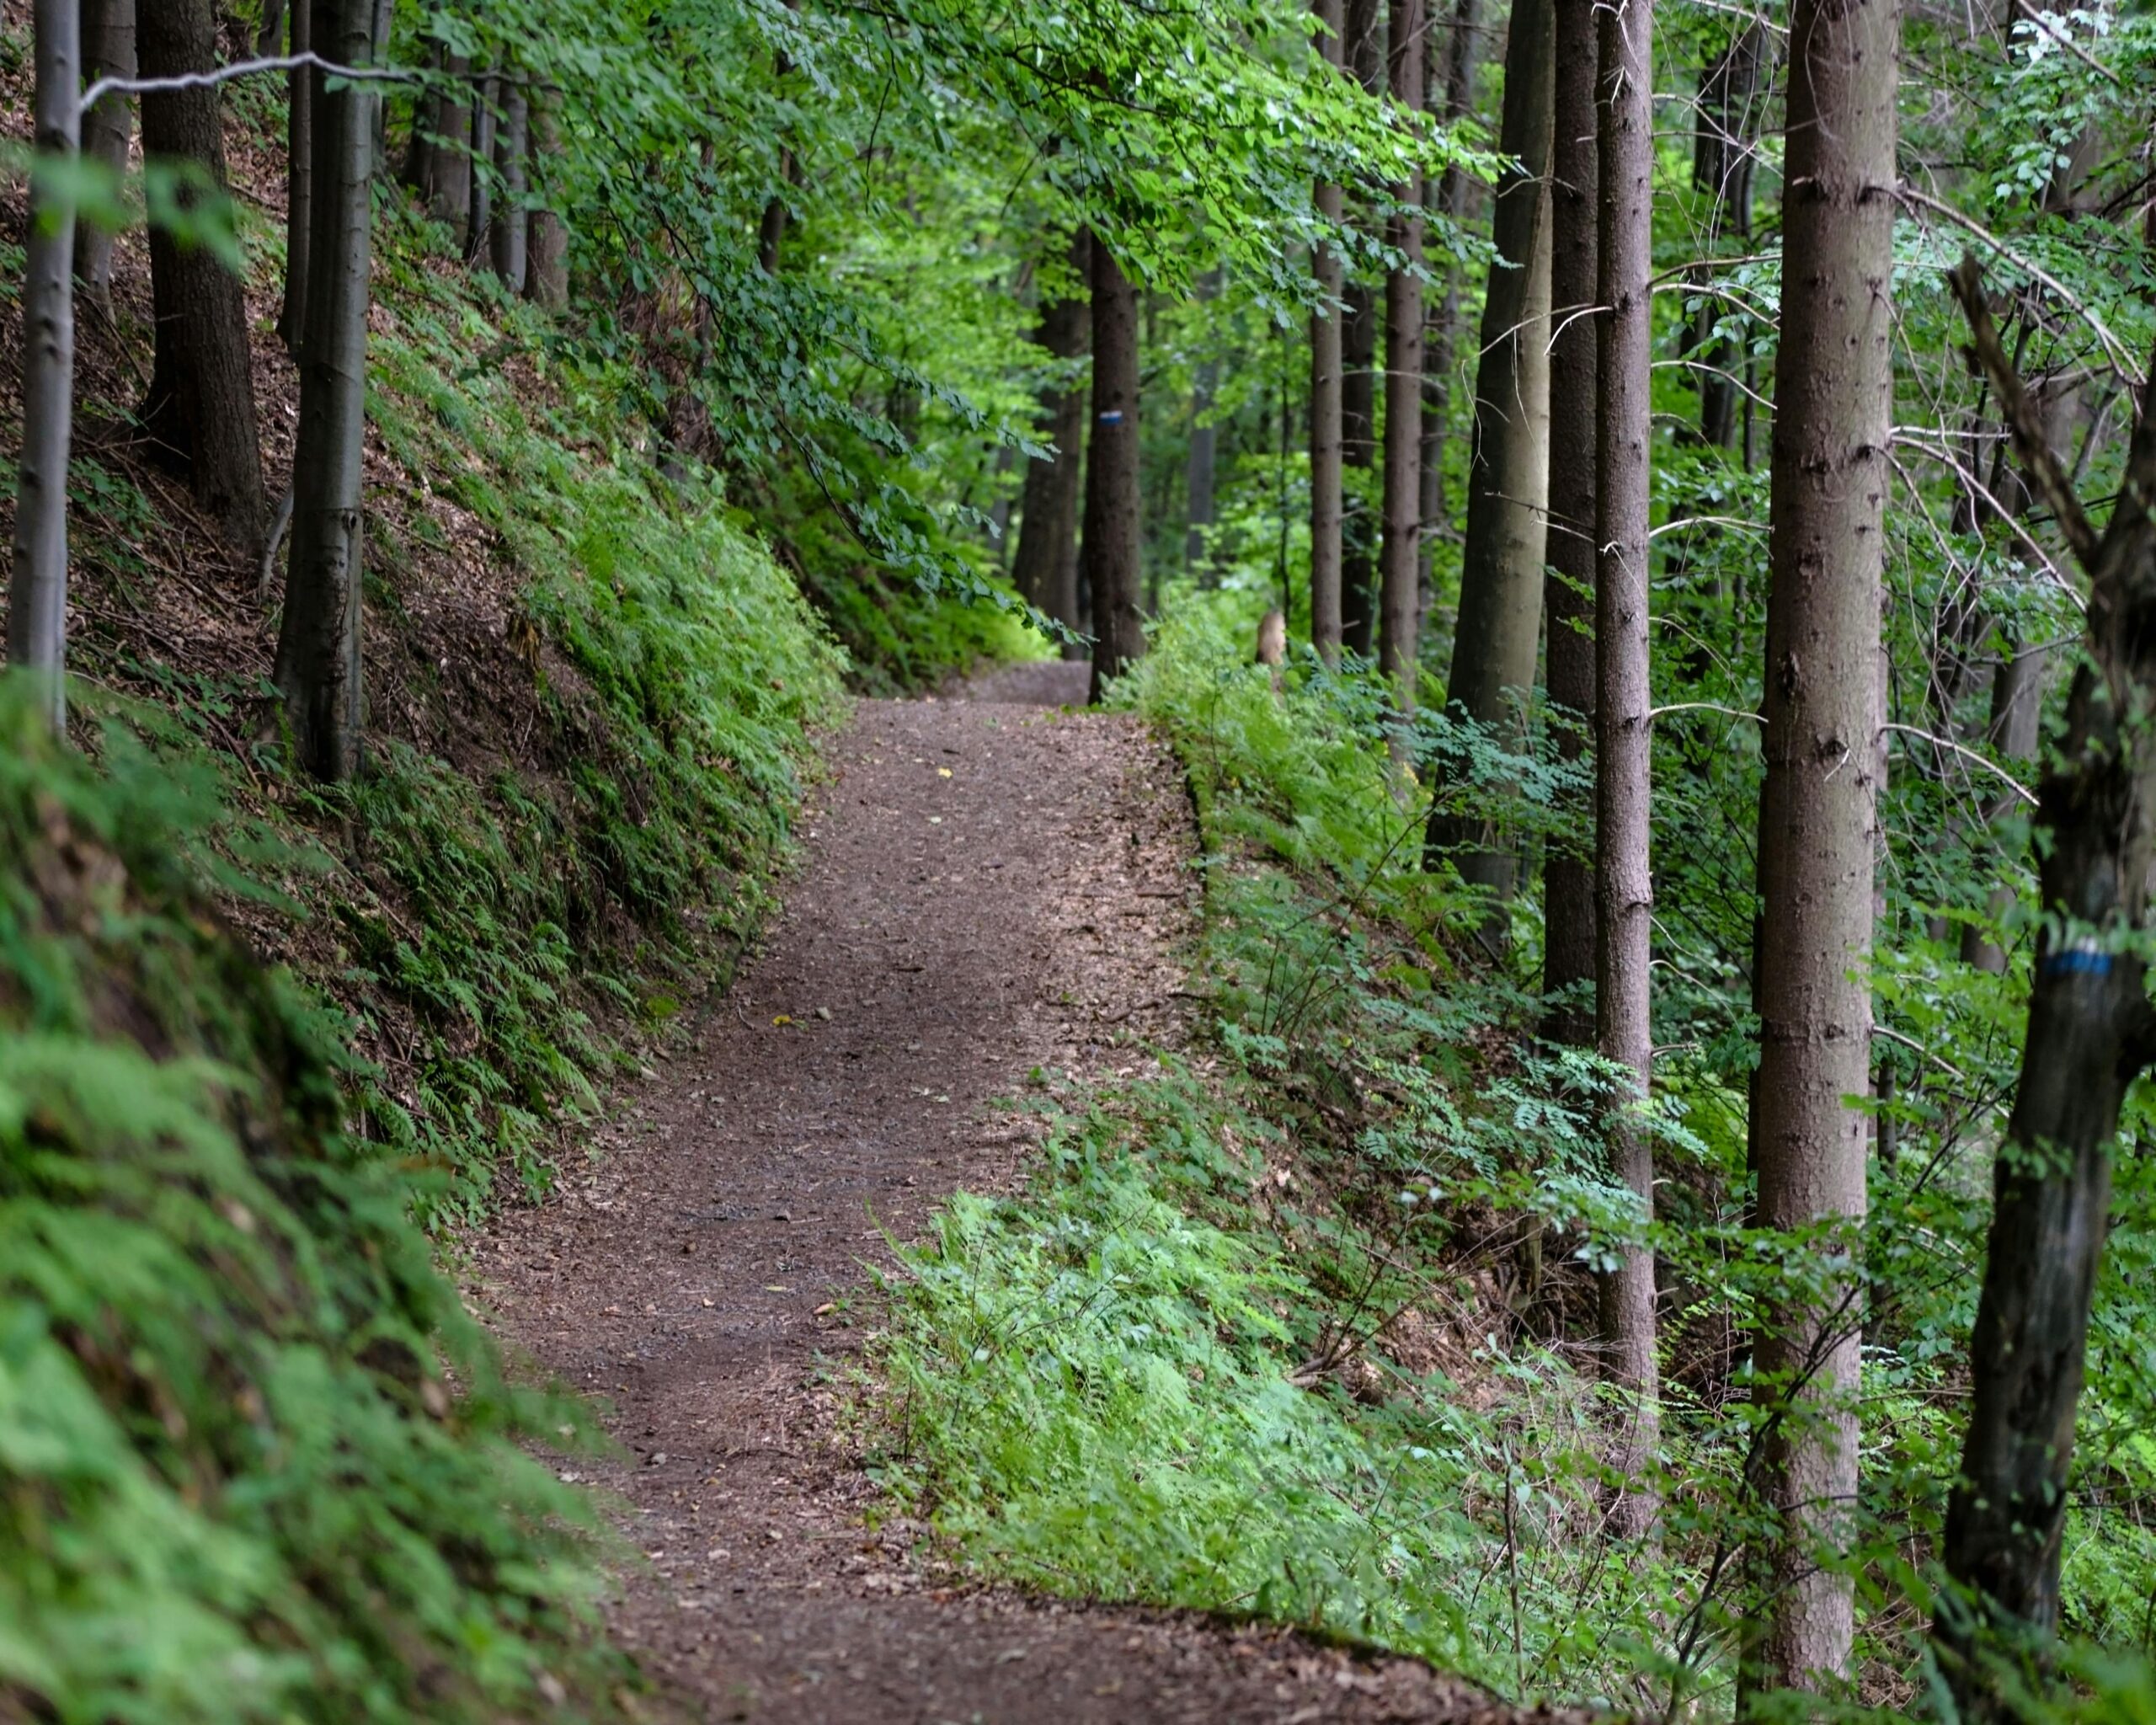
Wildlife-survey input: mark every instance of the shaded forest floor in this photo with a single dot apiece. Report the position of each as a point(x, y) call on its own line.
point(990, 887)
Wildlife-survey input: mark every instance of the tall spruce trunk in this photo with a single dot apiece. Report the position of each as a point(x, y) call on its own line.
point(2091, 1032)
point(1045, 568)
point(1114, 540)
point(1445, 197)
point(1363, 50)
point(1568, 922)
point(1204, 446)
point(1624, 781)
point(1833, 391)
point(319, 663)
point(547, 282)
point(299, 182)
point(506, 240)
point(199, 410)
point(1722, 147)
point(1499, 627)
point(1401, 558)
point(37, 582)
point(108, 51)
point(1325, 428)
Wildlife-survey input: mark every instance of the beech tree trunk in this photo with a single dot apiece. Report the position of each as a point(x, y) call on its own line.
point(451, 202)
point(1325, 398)
point(1492, 675)
point(506, 238)
point(198, 411)
point(108, 45)
point(1045, 568)
point(37, 582)
point(1401, 564)
point(1568, 591)
point(547, 280)
point(478, 213)
point(1362, 46)
point(1115, 543)
point(299, 183)
point(1834, 389)
point(1624, 784)
point(1205, 445)
point(2091, 1032)
point(318, 664)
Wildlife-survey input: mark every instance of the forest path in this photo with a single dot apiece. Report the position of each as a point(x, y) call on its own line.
point(989, 885)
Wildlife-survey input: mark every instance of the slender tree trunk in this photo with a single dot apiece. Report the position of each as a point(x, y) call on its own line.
point(2091, 1032)
point(1401, 564)
point(1326, 404)
point(1727, 129)
point(506, 239)
point(1114, 540)
point(478, 215)
point(1624, 782)
point(109, 51)
point(547, 280)
point(1834, 389)
point(1568, 920)
point(1205, 445)
point(417, 175)
point(273, 28)
point(1446, 199)
point(299, 184)
point(319, 663)
point(2017, 711)
point(1508, 478)
point(198, 411)
point(37, 586)
point(1045, 568)
point(451, 202)
point(1363, 45)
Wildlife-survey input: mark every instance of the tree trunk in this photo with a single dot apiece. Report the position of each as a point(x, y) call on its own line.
point(547, 280)
point(2017, 711)
point(1624, 782)
point(1324, 402)
point(507, 238)
point(1114, 540)
point(451, 199)
point(1045, 568)
point(1205, 444)
point(273, 28)
point(299, 184)
point(198, 412)
point(1362, 46)
point(1727, 125)
point(109, 51)
point(37, 586)
point(1508, 478)
point(1833, 388)
point(1400, 566)
point(1568, 922)
point(478, 212)
point(2091, 1032)
point(1446, 199)
point(318, 664)
point(418, 176)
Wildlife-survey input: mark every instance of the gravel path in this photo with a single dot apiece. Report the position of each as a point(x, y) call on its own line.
point(989, 885)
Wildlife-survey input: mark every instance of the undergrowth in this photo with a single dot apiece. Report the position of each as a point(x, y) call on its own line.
point(256, 1461)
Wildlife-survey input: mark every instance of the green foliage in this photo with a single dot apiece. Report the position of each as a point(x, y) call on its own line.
point(256, 1461)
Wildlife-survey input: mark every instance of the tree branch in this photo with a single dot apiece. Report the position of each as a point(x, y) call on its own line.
point(239, 68)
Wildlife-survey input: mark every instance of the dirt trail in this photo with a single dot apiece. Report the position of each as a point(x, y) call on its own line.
point(989, 885)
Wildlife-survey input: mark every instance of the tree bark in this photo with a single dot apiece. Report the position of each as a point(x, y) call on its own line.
point(1325, 398)
point(478, 213)
point(1400, 561)
point(1499, 627)
point(198, 411)
point(1045, 568)
point(1205, 445)
point(1446, 199)
point(2091, 1031)
point(506, 238)
point(1362, 46)
point(107, 46)
point(1624, 782)
point(1722, 146)
point(1114, 545)
point(319, 663)
point(547, 282)
point(451, 202)
point(1568, 919)
point(273, 28)
point(299, 184)
point(37, 585)
point(1833, 388)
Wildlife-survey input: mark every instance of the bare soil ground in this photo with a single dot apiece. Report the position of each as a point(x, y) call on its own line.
point(989, 886)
